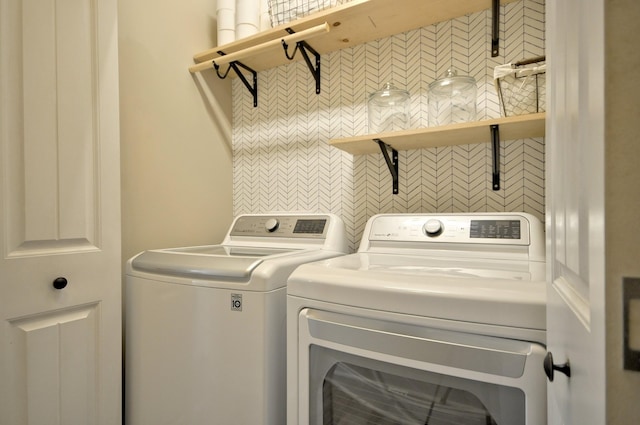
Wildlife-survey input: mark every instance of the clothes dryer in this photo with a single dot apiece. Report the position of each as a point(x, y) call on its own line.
point(205, 326)
point(437, 319)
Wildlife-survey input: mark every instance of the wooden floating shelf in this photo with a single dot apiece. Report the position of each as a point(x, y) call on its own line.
point(353, 23)
point(511, 128)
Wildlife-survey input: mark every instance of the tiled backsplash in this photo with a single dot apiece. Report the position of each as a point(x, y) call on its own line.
point(282, 160)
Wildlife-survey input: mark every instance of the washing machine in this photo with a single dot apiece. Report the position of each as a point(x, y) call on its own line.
point(437, 319)
point(205, 325)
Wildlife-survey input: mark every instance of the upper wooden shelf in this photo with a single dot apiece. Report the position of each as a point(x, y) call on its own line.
point(511, 128)
point(351, 24)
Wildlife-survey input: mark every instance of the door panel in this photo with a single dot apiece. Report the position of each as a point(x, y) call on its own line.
point(60, 349)
point(57, 357)
point(51, 139)
point(575, 216)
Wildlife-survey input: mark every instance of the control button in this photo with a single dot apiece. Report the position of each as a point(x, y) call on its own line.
point(272, 225)
point(433, 227)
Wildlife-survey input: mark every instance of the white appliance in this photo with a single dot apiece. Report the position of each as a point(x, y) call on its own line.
point(205, 326)
point(437, 319)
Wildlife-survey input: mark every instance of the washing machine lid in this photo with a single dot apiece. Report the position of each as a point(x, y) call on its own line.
point(488, 291)
point(206, 262)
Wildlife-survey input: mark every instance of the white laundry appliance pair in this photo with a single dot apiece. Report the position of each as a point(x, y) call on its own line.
point(438, 319)
point(205, 326)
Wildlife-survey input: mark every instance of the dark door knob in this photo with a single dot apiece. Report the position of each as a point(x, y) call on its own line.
point(60, 283)
point(549, 367)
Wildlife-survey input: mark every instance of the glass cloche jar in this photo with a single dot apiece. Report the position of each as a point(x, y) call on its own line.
point(452, 99)
point(388, 109)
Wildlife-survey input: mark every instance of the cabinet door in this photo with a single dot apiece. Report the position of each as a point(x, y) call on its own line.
point(60, 349)
point(575, 216)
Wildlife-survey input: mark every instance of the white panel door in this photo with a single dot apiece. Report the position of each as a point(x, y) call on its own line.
point(60, 349)
point(575, 215)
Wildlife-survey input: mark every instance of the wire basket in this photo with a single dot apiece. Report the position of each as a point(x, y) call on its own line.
point(283, 11)
point(521, 86)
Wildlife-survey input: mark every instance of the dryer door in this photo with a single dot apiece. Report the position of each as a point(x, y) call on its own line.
point(359, 370)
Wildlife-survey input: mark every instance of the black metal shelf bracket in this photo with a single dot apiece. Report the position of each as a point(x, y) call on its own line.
point(495, 28)
point(495, 156)
point(392, 162)
point(305, 49)
point(252, 87)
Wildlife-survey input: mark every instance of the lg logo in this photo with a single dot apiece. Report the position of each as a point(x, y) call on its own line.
point(236, 302)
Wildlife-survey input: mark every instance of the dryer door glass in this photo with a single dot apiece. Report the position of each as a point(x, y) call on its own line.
point(348, 389)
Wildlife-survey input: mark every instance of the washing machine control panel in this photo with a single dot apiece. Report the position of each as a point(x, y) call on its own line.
point(486, 228)
point(288, 226)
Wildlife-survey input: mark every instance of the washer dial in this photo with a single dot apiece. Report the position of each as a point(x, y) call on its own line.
point(272, 225)
point(433, 227)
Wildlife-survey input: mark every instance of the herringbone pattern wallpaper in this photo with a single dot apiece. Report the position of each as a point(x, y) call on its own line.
point(282, 160)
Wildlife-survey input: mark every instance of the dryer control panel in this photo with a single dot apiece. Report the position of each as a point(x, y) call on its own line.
point(495, 231)
point(512, 230)
point(479, 229)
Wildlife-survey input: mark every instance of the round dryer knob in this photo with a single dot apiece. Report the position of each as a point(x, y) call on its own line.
point(433, 227)
point(272, 225)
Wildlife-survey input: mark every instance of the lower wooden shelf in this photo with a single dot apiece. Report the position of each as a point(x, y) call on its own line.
point(511, 128)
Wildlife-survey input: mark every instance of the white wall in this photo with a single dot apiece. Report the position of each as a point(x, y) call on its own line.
point(175, 127)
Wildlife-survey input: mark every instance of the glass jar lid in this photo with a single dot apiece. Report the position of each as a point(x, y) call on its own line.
point(451, 82)
point(389, 95)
